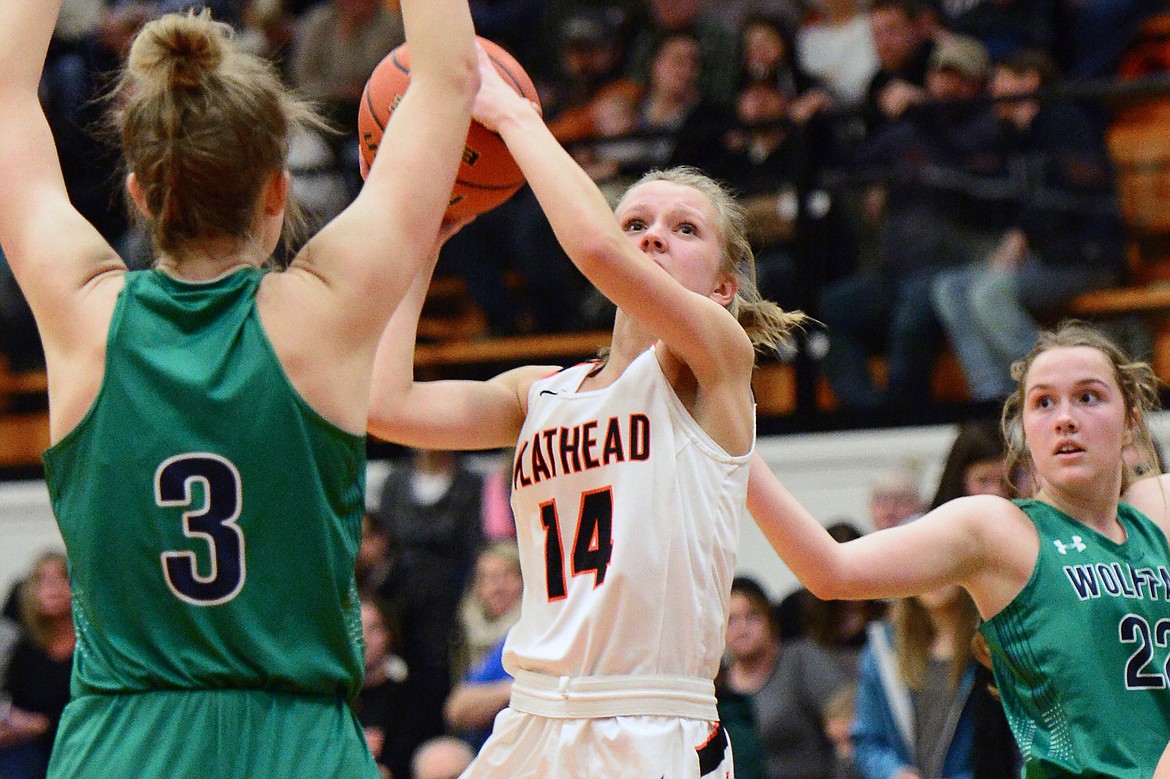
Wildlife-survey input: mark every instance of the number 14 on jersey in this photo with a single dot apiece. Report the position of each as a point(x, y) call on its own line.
point(592, 542)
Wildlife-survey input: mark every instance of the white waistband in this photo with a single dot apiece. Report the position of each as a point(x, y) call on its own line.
point(592, 697)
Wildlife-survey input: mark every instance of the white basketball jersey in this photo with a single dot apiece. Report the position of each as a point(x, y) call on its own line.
point(627, 515)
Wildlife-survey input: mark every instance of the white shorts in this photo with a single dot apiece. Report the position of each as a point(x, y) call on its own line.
point(529, 746)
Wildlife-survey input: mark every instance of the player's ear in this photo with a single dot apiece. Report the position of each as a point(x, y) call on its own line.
point(276, 194)
point(134, 188)
point(725, 289)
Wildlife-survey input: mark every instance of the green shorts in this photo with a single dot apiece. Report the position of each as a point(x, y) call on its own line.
point(210, 734)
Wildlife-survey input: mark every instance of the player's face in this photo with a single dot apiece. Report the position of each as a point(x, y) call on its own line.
point(1074, 417)
point(677, 227)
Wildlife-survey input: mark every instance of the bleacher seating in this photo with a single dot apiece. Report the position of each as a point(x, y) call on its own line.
point(1139, 141)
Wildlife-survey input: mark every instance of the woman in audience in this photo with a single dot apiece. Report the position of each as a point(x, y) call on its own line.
point(917, 693)
point(42, 660)
point(975, 465)
point(491, 605)
point(787, 686)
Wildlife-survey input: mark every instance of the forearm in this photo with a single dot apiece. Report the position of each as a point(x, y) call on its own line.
point(474, 706)
point(797, 537)
point(393, 376)
point(441, 34)
point(576, 209)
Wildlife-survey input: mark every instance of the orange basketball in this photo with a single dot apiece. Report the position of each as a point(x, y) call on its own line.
point(488, 175)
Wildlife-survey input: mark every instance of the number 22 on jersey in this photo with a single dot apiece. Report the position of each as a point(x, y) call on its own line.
point(592, 541)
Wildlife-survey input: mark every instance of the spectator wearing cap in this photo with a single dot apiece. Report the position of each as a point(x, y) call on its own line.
point(959, 65)
point(588, 74)
point(928, 222)
point(1066, 236)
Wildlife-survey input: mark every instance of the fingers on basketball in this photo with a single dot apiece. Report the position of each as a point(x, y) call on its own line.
point(487, 175)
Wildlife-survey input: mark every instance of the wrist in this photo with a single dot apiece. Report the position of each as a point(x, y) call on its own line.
point(519, 114)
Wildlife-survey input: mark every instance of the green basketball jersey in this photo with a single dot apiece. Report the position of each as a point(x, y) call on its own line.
point(1080, 655)
point(211, 517)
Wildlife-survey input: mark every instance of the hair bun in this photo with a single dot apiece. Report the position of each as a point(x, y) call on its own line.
point(179, 50)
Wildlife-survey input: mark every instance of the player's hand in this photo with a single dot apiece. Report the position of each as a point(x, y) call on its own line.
point(496, 100)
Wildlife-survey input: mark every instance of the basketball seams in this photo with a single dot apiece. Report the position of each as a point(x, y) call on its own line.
point(394, 58)
point(503, 69)
point(370, 105)
point(488, 175)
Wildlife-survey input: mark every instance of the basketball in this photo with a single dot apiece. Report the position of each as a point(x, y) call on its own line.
point(488, 175)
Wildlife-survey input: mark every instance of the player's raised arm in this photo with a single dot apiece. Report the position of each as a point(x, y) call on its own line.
point(368, 255)
point(693, 322)
point(52, 250)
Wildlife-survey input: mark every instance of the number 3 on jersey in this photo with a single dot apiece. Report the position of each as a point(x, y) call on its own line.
point(214, 521)
point(592, 543)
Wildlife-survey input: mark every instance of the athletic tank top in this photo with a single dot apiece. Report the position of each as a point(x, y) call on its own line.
point(211, 517)
point(1080, 654)
point(627, 517)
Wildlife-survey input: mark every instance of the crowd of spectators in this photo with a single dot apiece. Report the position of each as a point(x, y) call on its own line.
point(896, 191)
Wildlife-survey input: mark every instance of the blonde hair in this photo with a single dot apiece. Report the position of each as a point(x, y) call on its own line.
point(203, 127)
point(768, 325)
point(1139, 392)
point(36, 624)
point(914, 634)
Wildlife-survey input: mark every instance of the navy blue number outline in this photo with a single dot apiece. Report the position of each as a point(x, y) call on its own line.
point(213, 522)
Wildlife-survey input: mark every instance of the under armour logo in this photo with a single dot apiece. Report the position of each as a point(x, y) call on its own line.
point(1076, 544)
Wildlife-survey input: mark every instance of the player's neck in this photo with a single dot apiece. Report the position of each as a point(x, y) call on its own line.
point(1092, 510)
point(629, 339)
point(210, 259)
